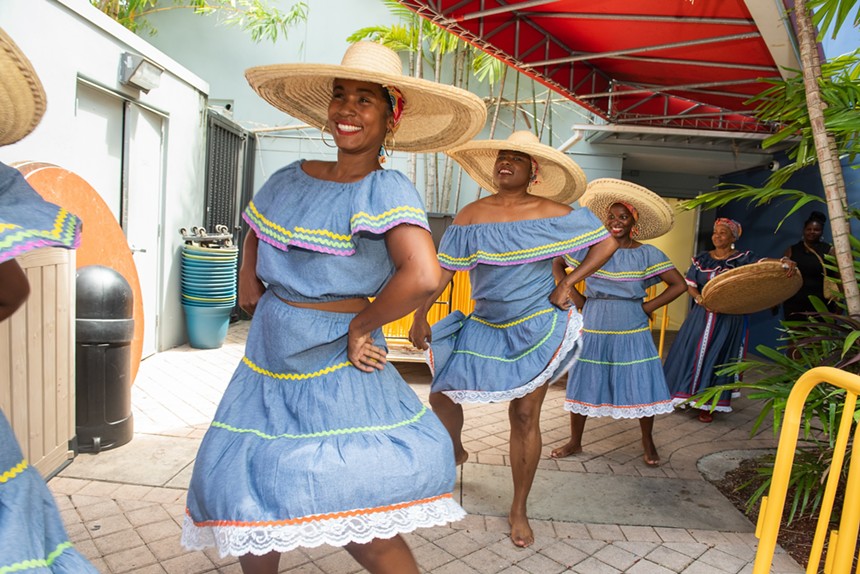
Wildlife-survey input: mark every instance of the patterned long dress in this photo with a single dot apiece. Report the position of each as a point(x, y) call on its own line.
point(707, 340)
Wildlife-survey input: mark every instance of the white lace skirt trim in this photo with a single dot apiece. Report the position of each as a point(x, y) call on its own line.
point(619, 413)
point(707, 407)
point(560, 363)
point(238, 540)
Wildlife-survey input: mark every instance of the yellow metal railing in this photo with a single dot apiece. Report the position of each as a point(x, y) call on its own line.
point(842, 541)
point(458, 297)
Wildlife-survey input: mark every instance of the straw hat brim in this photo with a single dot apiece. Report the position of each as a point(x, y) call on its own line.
point(750, 288)
point(655, 216)
point(22, 98)
point(559, 177)
point(435, 116)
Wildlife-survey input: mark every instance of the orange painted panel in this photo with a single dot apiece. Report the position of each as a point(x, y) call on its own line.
point(102, 239)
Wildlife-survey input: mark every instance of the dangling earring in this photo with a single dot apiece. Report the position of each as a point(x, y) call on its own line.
point(389, 148)
point(732, 245)
point(322, 137)
point(385, 149)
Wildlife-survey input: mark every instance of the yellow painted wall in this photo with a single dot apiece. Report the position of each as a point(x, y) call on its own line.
point(678, 245)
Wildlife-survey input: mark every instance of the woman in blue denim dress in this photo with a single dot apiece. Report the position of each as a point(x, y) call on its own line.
point(619, 373)
point(523, 332)
point(318, 440)
point(32, 536)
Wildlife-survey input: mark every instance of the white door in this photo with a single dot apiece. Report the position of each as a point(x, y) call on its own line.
point(98, 144)
point(143, 181)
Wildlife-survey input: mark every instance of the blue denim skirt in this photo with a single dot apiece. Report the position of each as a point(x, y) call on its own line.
point(305, 449)
point(32, 537)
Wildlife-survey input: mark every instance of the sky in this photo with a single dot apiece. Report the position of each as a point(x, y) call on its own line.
point(847, 40)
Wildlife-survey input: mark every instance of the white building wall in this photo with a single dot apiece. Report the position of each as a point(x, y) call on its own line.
point(68, 40)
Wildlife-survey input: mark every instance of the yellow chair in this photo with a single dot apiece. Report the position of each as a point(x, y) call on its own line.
point(842, 542)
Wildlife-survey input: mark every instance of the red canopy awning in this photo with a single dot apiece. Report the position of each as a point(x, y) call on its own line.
point(670, 63)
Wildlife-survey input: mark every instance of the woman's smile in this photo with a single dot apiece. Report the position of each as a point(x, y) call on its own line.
point(347, 129)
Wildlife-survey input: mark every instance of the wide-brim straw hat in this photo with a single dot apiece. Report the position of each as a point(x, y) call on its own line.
point(750, 288)
point(435, 116)
point(559, 178)
point(655, 215)
point(22, 98)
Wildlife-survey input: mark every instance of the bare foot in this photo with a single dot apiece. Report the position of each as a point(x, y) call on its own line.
point(651, 457)
point(521, 532)
point(566, 450)
point(461, 457)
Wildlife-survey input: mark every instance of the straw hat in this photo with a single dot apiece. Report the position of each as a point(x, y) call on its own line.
point(655, 215)
point(559, 178)
point(435, 116)
point(22, 98)
point(750, 288)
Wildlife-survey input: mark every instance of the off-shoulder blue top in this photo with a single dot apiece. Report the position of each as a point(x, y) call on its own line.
point(510, 263)
point(627, 274)
point(323, 240)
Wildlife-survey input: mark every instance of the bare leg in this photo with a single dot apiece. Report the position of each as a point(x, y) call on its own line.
point(574, 445)
point(451, 415)
point(384, 556)
point(651, 457)
point(526, 443)
point(265, 564)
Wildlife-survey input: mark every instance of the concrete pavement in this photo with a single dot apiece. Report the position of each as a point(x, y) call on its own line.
point(600, 511)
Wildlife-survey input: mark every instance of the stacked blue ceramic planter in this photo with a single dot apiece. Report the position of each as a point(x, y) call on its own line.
point(208, 293)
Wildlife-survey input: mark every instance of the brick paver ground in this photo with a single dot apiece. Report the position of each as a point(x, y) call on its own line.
point(132, 528)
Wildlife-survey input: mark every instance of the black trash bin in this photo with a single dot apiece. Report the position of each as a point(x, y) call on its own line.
point(104, 329)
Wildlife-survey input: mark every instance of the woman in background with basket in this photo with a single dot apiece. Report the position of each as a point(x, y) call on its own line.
point(708, 339)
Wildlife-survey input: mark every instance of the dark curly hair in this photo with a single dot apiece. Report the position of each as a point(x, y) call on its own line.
point(816, 217)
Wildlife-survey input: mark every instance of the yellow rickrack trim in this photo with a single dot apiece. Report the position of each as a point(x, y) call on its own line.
point(517, 358)
point(59, 222)
point(37, 562)
point(334, 432)
point(628, 332)
point(512, 323)
point(289, 233)
point(294, 376)
point(14, 471)
point(388, 213)
point(529, 250)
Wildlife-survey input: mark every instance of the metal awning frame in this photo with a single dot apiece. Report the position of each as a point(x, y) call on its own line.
point(577, 78)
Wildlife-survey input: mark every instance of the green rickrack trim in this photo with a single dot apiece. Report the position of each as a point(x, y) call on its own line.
point(335, 432)
point(362, 218)
point(655, 269)
point(530, 254)
point(63, 231)
point(622, 364)
point(517, 358)
point(37, 562)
